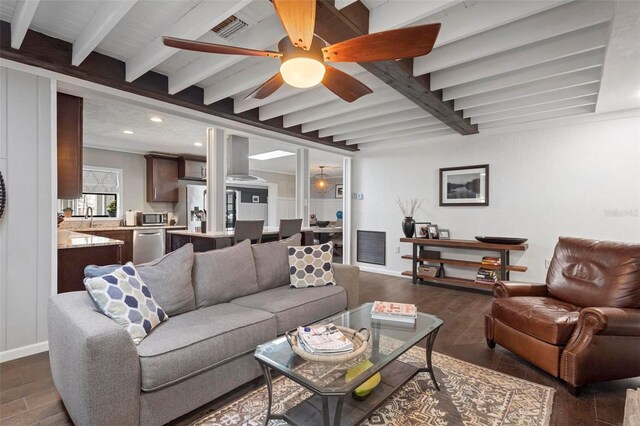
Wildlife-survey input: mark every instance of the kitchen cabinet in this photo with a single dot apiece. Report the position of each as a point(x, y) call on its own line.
point(69, 146)
point(72, 261)
point(162, 178)
point(126, 254)
point(192, 168)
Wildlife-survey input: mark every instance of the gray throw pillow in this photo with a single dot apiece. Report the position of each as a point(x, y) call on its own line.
point(272, 262)
point(93, 271)
point(310, 266)
point(169, 279)
point(223, 275)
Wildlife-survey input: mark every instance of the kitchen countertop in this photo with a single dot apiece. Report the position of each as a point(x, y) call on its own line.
point(267, 230)
point(70, 239)
point(123, 228)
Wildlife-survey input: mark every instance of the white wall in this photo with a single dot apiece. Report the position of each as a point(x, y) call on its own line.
point(580, 180)
point(27, 229)
point(325, 208)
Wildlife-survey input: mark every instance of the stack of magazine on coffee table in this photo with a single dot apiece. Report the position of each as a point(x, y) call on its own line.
point(324, 340)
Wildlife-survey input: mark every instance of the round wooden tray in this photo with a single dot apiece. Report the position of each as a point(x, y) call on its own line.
point(360, 340)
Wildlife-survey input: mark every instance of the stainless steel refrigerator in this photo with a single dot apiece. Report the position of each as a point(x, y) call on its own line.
point(192, 205)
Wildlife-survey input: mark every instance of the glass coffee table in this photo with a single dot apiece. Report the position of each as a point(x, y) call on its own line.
point(332, 396)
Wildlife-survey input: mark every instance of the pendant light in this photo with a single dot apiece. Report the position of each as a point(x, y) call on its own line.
point(322, 182)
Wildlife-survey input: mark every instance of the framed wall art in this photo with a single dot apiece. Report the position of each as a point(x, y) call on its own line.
point(464, 186)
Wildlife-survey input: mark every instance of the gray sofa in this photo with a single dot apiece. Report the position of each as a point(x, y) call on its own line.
point(220, 307)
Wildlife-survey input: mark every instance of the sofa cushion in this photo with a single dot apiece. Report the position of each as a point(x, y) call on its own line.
point(272, 262)
point(310, 266)
point(544, 318)
point(225, 274)
point(591, 273)
point(123, 296)
point(169, 279)
point(297, 307)
point(200, 340)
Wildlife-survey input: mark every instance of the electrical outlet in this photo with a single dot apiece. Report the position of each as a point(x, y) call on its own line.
point(360, 196)
point(397, 249)
point(547, 262)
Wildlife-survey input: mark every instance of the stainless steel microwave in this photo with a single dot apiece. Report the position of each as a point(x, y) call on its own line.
point(153, 219)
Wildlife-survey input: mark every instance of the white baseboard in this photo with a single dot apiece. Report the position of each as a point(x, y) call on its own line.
point(382, 271)
point(23, 351)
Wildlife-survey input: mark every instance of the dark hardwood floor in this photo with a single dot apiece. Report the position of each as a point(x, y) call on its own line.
point(27, 394)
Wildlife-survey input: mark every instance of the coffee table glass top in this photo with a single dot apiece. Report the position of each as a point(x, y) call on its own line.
point(389, 339)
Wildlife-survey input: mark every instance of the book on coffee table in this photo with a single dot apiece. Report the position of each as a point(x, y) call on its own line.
point(390, 311)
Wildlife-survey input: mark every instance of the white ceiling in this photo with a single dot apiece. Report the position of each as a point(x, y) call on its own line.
point(500, 62)
point(105, 121)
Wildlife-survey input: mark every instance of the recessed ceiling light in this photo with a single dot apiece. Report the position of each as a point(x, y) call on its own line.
point(127, 132)
point(271, 155)
point(156, 119)
point(198, 143)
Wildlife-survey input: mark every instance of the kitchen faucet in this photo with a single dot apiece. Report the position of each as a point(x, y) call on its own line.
point(86, 215)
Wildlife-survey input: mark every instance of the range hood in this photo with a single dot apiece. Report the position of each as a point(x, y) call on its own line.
point(238, 164)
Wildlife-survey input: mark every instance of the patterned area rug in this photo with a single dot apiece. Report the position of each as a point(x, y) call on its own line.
point(470, 395)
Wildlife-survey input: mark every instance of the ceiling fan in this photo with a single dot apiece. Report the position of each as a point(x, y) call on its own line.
point(304, 54)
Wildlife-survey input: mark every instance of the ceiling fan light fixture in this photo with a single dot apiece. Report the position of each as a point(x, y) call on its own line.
point(302, 72)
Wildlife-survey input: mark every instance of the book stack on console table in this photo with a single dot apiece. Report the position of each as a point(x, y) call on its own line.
point(389, 311)
point(488, 276)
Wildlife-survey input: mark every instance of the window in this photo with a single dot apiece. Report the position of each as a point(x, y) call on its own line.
point(100, 187)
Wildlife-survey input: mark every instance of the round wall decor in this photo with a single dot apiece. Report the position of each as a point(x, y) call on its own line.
point(3, 195)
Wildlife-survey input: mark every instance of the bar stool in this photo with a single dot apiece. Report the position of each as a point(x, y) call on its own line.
point(289, 227)
point(248, 230)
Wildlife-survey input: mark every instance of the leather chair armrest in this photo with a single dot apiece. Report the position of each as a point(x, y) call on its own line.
point(611, 321)
point(515, 289)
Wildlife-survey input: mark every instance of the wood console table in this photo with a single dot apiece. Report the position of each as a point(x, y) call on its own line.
point(504, 267)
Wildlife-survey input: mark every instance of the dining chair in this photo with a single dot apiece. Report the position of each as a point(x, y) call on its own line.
point(248, 230)
point(289, 227)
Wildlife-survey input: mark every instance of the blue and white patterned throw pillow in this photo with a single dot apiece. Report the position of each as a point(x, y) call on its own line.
point(122, 296)
point(310, 266)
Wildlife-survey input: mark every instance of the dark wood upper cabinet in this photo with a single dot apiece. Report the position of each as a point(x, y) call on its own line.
point(192, 168)
point(162, 178)
point(69, 146)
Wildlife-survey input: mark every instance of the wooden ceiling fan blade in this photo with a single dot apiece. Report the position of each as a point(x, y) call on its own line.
point(343, 85)
point(267, 88)
point(298, 18)
point(201, 46)
point(384, 46)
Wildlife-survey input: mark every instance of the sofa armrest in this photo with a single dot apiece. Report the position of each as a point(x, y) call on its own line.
point(605, 345)
point(611, 321)
point(94, 362)
point(348, 276)
point(516, 289)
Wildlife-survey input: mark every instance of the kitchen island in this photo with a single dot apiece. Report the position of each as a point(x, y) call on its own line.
point(77, 250)
point(221, 239)
point(122, 233)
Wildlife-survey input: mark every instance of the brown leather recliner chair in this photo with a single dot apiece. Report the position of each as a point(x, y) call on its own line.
point(583, 325)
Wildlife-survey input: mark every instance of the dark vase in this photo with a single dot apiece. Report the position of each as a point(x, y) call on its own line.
point(408, 227)
point(111, 214)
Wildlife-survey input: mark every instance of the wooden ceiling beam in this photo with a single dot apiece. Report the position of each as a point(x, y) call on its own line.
point(52, 54)
point(335, 25)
